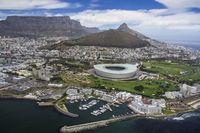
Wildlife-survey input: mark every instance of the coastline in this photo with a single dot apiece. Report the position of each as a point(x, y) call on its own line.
point(163, 116)
point(43, 104)
point(40, 103)
point(149, 117)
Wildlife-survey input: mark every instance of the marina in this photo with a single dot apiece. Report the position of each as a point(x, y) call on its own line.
point(88, 105)
point(50, 121)
point(102, 110)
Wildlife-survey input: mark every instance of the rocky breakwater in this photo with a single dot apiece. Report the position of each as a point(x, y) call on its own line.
point(63, 109)
point(94, 125)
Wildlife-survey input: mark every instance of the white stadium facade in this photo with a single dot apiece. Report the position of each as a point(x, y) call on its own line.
point(116, 71)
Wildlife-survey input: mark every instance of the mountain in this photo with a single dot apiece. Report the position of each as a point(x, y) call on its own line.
point(38, 26)
point(124, 27)
point(108, 38)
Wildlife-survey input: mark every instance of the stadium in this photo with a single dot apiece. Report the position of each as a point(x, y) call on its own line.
point(116, 71)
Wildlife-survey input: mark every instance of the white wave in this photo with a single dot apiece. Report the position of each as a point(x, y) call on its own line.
point(188, 115)
point(185, 116)
point(178, 118)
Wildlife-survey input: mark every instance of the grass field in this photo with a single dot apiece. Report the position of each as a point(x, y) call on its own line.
point(75, 78)
point(151, 88)
point(173, 70)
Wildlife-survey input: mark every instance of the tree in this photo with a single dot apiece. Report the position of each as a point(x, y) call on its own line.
point(139, 88)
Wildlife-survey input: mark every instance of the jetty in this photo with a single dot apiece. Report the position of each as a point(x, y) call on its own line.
point(45, 103)
point(65, 111)
point(94, 125)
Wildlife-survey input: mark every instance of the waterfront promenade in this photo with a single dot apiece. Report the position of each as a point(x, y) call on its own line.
point(94, 125)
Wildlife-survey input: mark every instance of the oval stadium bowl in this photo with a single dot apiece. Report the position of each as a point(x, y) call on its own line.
point(115, 71)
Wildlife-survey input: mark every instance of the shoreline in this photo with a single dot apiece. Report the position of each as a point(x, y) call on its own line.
point(103, 123)
point(161, 117)
point(40, 103)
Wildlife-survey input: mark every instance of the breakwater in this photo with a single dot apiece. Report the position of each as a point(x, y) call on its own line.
point(65, 111)
point(48, 120)
point(94, 125)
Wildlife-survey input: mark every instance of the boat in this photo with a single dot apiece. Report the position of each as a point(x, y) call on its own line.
point(71, 101)
point(76, 100)
point(88, 105)
point(116, 105)
point(80, 108)
point(108, 107)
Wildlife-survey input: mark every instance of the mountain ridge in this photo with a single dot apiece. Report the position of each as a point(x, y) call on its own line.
point(109, 38)
point(39, 26)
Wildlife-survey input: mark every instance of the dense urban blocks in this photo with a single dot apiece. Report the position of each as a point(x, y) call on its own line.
point(116, 71)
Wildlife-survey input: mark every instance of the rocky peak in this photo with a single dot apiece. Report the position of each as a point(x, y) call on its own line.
point(123, 26)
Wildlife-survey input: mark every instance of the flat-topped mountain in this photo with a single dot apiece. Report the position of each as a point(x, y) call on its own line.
point(38, 26)
point(108, 38)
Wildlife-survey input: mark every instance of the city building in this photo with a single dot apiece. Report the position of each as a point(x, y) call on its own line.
point(124, 95)
point(187, 90)
point(42, 73)
point(173, 95)
point(142, 108)
point(108, 98)
point(147, 106)
point(99, 93)
point(86, 91)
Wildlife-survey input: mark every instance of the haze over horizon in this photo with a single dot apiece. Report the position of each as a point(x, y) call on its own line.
point(166, 20)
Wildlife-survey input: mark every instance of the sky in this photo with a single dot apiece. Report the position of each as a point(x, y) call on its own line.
point(165, 20)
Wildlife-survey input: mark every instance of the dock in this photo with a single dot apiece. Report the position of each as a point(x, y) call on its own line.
point(94, 125)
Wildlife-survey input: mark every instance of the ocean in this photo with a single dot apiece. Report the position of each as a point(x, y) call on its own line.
point(24, 116)
point(190, 44)
point(195, 47)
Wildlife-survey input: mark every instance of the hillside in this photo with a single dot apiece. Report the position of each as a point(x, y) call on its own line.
point(109, 38)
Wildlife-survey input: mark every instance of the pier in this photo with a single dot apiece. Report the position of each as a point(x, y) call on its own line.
point(94, 125)
point(45, 103)
point(65, 111)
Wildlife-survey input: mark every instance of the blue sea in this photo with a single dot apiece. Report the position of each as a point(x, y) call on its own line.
point(195, 47)
point(22, 116)
point(190, 44)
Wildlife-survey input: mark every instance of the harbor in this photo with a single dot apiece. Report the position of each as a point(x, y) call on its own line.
point(88, 105)
point(50, 121)
point(101, 110)
point(94, 125)
point(98, 109)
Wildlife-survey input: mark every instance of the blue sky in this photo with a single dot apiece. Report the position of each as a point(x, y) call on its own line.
point(171, 20)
